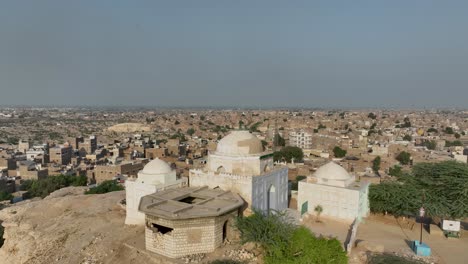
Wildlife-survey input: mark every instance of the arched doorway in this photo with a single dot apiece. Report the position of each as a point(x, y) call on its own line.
point(225, 227)
point(271, 198)
point(220, 169)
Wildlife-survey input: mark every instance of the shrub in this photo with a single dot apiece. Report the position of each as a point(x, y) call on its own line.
point(5, 196)
point(304, 248)
point(404, 157)
point(105, 187)
point(285, 243)
point(43, 187)
point(339, 152)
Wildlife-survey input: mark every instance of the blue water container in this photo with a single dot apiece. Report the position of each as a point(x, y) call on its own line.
point(421, 249)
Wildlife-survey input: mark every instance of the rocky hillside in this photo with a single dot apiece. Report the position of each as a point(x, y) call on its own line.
point(69, 227)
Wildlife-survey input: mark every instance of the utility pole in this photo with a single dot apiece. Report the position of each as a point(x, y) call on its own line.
point(421, 217)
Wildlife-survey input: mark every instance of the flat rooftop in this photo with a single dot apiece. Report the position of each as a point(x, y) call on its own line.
point(187, 203)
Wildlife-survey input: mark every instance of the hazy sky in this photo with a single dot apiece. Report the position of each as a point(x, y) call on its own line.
point(372, 53)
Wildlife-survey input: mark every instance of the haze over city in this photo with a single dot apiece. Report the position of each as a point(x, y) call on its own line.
point(409, 54)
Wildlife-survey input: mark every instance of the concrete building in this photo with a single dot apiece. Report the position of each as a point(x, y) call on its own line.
point(240, 165)
point(23, 146)
point(333, 188)
point(153, 153)
point(108, 172)
point(301, 139)
point(188, 221)
point(61, 154)
point(87, 146)
point(156, 176)
point(29, 170)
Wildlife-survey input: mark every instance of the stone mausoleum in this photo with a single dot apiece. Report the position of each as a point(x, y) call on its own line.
point(338, 192)
point(156, 176)
point(241, 165)
point(187, 221)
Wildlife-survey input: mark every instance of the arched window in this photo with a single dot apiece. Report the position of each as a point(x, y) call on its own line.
point(220, 169)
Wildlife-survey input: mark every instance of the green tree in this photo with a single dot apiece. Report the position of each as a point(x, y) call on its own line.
point(407, 138)
point(5, 196)
point(404, 157)
point(288, 153)
point(376, 164)
point(443, 184)
point(430, 144)
point(457, 136)
point(321, 126)
point(191, 131)
point(432, 130)
point(105, 187)
point(454, 143)
point(278, 140)
point(395, 171)
point(448, 130)
point(339, 152)
point(371, 116)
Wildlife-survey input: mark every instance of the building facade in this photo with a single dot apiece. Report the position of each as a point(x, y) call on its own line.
point(188, 221)
point(156, 176)
point(336, 191)
point(240, 165)
point(301, 139)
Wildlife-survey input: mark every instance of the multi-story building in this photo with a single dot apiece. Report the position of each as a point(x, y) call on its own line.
point(61, 154)
point(108, 172)
point(88, 146)
point(301, 139)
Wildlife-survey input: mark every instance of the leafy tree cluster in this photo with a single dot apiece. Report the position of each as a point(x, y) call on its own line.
point(339, 152)
point(371, 116)
point(254, 127)
point(404, 157)
point(105, 187)
point(286, 243)
point(278, 140)
point(376, 164)
point(13, 140)
point(454, 143)
point(4, 196)
point(43, 187)
point(180, 136)
point(288, 153)
point(406, 123)
point(191, 131)
point(444, 186)
point(321, 126)
point(430, 144)
point(432, 130)
point(449, 130)
point(407, 138)
point(395, 171)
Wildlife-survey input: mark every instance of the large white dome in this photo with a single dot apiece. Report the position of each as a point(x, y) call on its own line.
point(157, 166)
point(332, 171)
point(239, 142)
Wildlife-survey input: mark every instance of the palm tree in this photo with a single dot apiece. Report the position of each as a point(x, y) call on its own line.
point(318, 210)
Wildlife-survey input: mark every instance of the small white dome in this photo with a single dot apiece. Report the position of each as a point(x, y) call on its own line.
point(332, 171)
point(239, 143)
point(157, 166)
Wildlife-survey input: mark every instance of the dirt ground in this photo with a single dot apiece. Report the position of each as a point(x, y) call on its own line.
point(396, 239)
